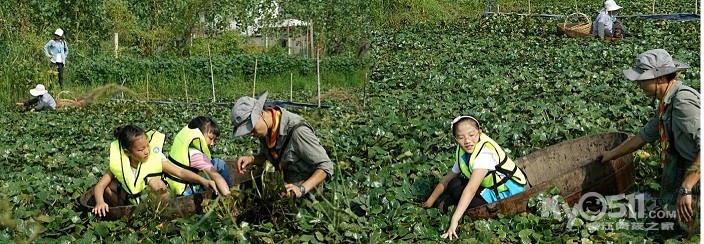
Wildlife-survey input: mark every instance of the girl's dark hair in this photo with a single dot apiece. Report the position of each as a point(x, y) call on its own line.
point(465, 119)
point(127, 134)
point(205, 124)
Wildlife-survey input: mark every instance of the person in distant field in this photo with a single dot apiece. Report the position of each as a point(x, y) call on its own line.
point(191, 150)
point(676, 126)
point(56, 50)
point(41, 100)
point(285, 140)
point(606, 24)
point(483, 173)
point(136, 163)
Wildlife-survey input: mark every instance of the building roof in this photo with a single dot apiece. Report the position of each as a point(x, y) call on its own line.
point(289, 23)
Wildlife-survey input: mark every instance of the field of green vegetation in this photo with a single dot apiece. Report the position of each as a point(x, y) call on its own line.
point(389, 139)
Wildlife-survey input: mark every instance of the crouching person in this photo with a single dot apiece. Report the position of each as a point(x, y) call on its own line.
point(136, 163)
point(286, 141)
point(192, 151)
point(41, 100)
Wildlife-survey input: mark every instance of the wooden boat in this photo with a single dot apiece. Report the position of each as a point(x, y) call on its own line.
point(182, 205)
point(571, 166)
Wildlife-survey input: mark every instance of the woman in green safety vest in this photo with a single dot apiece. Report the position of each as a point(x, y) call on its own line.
point(133, 168)
point(191, 150)
point(482, 173)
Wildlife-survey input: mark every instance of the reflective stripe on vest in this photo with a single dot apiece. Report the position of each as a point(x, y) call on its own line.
point(121, 169)
point(506, 166)
point(179, 156)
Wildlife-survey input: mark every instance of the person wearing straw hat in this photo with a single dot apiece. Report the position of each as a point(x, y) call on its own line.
point(41, 100)
point(56, 50)
point(606, 24)
point(676, 126)
point(285, 140)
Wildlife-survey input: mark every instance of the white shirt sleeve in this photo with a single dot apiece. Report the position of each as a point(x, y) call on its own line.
point(486, 160)
point(192, 151)
point(456, 168)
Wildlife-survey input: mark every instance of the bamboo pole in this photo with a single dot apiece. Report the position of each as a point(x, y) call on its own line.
point(318, 71)
point(654, 6)
point(122, 94)
point(364, 91)
point(254, 84)
point(147, 86)
point(117, 43)
point(212, 78)
point(290, 98)
point(185, 83)
point(528, 7)
point(312, 42)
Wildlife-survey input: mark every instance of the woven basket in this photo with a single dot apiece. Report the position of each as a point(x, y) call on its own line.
point(576, 29)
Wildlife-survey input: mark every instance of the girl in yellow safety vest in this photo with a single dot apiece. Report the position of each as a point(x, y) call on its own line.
point(191, 150)
point(136, 162)
point(482, 173)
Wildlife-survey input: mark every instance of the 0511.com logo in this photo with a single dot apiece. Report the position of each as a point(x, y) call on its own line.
point(609, 212)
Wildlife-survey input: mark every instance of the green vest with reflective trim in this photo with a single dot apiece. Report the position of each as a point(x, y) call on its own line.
point(121, 169)
point(506, 166)
point(179, 156)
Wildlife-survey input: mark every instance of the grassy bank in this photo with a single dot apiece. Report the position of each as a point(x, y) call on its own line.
point(157, 87)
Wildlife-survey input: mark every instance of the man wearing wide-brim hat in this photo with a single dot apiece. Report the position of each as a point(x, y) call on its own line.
point(41, 100)
point(675, 127)
point(285, 140)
